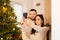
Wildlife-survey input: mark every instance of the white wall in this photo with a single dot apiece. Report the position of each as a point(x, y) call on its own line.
point(29, 4)
point(40, 9)
point(17, 1)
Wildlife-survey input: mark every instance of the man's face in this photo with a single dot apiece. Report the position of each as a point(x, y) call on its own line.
point(32, 14)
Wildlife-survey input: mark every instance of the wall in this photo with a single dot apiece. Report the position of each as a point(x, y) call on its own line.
point(48, 14)
point(17, 1)
point(27, 4)
point(40, 9)
point(48, 11)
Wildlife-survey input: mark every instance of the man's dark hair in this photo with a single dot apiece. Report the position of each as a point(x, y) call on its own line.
point(33, 10)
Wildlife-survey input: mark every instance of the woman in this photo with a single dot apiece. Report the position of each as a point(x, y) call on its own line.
point(38, 32)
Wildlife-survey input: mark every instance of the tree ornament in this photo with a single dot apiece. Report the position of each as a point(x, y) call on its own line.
point(7, 37)
point(2, 26)
point(16, 36)
point(4, 9)
point(3, 19)
point(13, 28)
point(12, 17)
point(10, 36)
point(1, 38)
point(4, 3)
point(11, 20)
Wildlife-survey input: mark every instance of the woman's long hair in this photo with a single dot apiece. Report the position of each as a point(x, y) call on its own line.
point(42, 18)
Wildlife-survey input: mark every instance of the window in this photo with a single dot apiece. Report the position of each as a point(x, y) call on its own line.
point(18, 12)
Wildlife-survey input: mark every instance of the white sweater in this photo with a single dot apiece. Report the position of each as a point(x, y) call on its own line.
point(40, 34)
point(26, 32)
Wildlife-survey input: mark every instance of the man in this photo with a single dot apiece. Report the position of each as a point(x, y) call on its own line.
point(32, 14)
point(28, 24)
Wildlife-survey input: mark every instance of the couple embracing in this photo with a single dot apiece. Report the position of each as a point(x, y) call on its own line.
point(33, 27)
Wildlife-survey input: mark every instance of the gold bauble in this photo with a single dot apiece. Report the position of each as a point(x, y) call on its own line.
point(4, 9)
point(10, 19)
point(11, 37)
point(7, 37)
point(13, 28)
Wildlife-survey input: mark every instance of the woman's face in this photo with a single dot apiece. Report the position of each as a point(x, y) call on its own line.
point(38, 21)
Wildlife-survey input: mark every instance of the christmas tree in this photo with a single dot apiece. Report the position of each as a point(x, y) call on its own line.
point(8, 28)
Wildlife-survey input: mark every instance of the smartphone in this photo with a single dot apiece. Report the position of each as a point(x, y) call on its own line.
point(25, 15)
